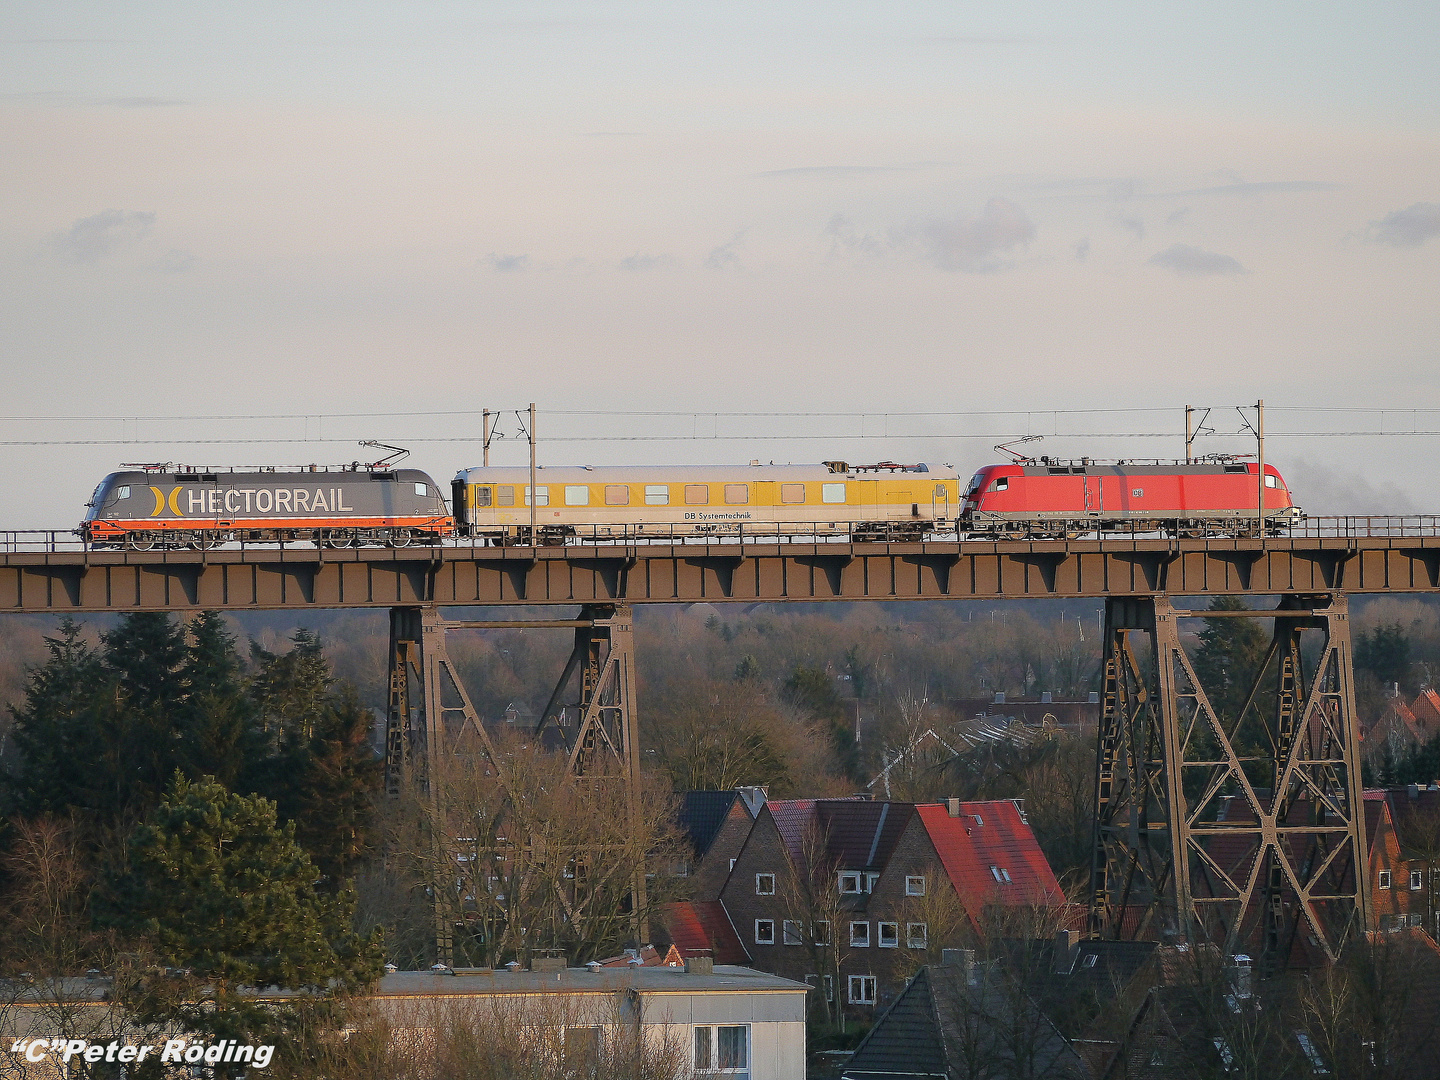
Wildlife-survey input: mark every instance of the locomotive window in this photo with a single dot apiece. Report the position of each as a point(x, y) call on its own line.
point(542, 496)
point(975, 482)
point(505, 495)
point(832, 493)
point(1002, 484)
point(482, 496)
point(657, 494)
point(792, 493)
point(419, 489)
point(697, 494)
point(737, 493)
point(617, 494)
point(122, 492)
point(1271, 481)
point(576, 495)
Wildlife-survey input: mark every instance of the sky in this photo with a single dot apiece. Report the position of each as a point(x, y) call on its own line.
point(261, 232)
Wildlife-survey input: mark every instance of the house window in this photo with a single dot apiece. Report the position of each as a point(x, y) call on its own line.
point(542, 496)
point(1417, 880)
point(850, 883)
point(870, 880)
point(792, 493)
point(617, 494)
point(790, 933)
point(915, 886)
point(764, 931)
point(724, 1049)
point(582, 1047)
point(828, 983)
point(737, 494)
point(862, 989)
point(888, 935)
point(697, 494)
point(820, 932)
point(505, 495)
point(1089, 960)
point(1384, 879)
point(917, 935)
point(1000, 874)
point(577, 495)
point(832, 493)
point(764, 884)
point(657, 495)
point(859, 935)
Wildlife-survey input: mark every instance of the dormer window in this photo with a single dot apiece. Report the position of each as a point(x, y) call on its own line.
point(850, 883)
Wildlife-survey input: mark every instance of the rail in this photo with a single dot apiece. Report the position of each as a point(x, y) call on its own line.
point(808, 533)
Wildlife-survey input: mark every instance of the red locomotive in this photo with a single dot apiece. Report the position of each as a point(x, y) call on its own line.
point(1050, 498)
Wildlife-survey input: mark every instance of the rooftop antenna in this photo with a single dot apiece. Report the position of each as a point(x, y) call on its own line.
point(388, 461)
point(1004, 448)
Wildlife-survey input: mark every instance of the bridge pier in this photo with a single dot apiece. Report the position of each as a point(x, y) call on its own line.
point(429, 710)
point(1247, 831)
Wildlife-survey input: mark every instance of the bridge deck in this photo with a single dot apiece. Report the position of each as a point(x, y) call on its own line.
point(302, 576)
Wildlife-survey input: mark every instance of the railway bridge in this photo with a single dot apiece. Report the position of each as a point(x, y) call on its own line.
point(1198, 835)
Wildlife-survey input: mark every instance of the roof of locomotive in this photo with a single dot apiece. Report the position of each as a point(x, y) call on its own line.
point(1125, 468)
point(675, 474)
point(278, 473)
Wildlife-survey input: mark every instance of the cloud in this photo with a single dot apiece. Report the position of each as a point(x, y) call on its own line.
point(1410, 227)
point(173, 261)
point(638, 263)
point(727, 254)
point(842, 233)
point(1130, 224)
point(508, 264)
point(1264, 188)
point(142, 102)
point(93, 238)
point(1192, 261)
point(972, 243)
point(1082, 248)
point(853, 170)
point(1175, 217)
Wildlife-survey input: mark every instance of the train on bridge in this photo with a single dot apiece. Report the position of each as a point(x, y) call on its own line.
point(168, 506)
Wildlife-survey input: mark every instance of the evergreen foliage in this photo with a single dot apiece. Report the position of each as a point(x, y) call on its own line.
point(220, 890)
point(1229, 657)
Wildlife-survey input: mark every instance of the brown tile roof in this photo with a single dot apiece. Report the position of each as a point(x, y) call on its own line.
point(701, 927)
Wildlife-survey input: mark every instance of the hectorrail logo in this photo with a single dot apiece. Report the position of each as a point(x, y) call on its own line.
point(160, 501)
point(213, 501)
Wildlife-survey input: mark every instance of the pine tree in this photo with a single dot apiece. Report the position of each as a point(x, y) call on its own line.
point(1231, 650)
point(221, 735)
point(214, 886)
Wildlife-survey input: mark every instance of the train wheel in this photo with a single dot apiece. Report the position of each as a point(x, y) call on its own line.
point(209, 541)
point(401, 538)
point(139, 542)
point(338, 538)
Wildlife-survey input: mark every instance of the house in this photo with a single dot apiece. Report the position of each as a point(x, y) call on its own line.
point(702, 928)
point(715, 825)
point(960, 1018)
point(1414, 863)
point(1392, 734)
point(732, 1020)
point(851, 895)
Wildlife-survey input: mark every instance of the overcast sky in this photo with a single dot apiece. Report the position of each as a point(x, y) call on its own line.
point(294, 208)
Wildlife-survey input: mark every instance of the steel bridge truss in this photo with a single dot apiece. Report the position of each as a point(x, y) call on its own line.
point(430, 714)
point(1243, 825)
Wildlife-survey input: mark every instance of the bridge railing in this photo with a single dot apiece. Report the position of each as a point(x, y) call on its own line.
point(662, 533)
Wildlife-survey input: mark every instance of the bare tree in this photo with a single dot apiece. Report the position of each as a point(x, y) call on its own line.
point(810, 891)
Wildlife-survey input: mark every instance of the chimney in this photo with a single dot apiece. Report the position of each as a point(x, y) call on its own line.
point(999, 697)
point(1414, 791)
point(1067, 948)
point(547, 963)
point(964, 959)
point(1240, 976)
point(1094, 698)
point(953, 806)
point(699, 965)
point(1046, 698)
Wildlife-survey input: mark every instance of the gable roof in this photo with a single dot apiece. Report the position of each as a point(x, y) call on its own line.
point(859, 834)
point(702, 927)
point(985, 835)
point(701, 815)
point(1426, 709)
point(905, 1041)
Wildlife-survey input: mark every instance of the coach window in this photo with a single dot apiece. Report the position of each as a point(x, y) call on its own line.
point(617, 494)
point(737, 494)
point(505, 495)
point(577, 495)
point(657, 494)
point(697, 494)
point(792, 493)
point(482, 496)
point(832, 493)
point(542, 496)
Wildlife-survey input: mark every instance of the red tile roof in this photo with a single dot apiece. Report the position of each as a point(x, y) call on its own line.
point(1427, 709)
point(701, 927)
point(986, 835)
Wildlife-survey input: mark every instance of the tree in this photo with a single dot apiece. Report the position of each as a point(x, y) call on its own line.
point(1385, 652)
point(220, 735)
point(290, 689)
point(810, 890)
point(216, 888)
point(1231, 649)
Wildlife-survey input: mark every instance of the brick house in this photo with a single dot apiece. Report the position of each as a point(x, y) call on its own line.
point(1412, 858)
point(852, 896)
point(715, 824)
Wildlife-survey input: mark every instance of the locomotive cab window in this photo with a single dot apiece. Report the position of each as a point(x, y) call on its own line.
point(832, 493)
point(575, 495)
point(792, 493)
point(1272, 481)
point(122, 493)
point(736, 494)
point(617, 494)
point(1003, 484)
point(697, 494)
point(505, 495)
point(420, 489)
point(483, 495)
point(657, 495)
